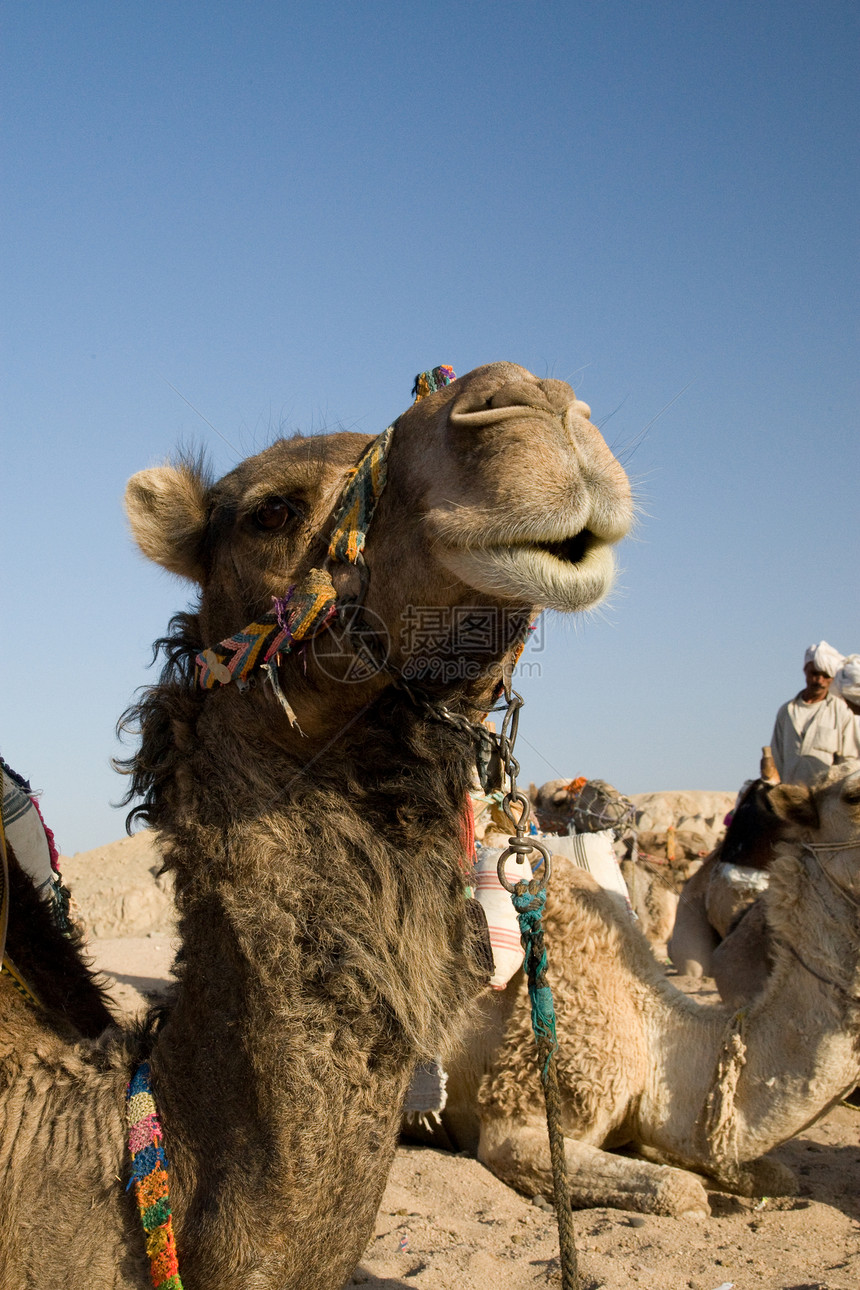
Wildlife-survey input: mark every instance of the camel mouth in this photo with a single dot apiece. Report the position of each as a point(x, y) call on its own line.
point(567, 574)
point(570, 550)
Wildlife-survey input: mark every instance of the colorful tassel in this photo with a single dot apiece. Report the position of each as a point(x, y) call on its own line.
point(150, 1180)
point(429, 382)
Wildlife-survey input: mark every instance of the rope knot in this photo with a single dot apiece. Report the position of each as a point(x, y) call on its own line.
point(530, 904)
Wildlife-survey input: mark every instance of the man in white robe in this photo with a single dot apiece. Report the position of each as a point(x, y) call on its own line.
point(846, 683)
point(815, 730)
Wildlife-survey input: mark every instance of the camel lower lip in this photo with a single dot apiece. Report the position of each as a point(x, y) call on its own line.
point(548, 575)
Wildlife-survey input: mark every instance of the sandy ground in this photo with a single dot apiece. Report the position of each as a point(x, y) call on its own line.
point(447, 1223)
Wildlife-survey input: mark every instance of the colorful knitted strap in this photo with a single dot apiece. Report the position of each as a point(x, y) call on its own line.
point(429, 382)
point(235, 658)
point(149, 1175)
point(304, 611)
point(308, 607)
point(358, 502)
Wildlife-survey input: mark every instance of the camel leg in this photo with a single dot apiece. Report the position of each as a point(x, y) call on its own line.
point(762, 1177)
point(693, 940)
point(741, 963)
point(519, 1156)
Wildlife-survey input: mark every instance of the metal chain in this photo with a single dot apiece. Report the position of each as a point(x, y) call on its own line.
point(529, 898)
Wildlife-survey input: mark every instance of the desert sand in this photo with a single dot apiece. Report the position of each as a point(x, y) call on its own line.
point(445, 1222)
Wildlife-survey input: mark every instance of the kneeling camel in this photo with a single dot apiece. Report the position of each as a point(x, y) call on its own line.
point(697, 1089)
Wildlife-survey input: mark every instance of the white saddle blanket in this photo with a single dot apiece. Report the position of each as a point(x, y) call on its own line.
point(594, 853)
point(26, 834)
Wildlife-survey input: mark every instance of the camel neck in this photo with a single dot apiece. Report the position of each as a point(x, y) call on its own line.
point(801, 1032)
point(325, 948)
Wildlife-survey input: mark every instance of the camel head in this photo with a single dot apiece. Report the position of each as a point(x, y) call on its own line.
point(500, 499)
point(520, 498)
point(825, 818)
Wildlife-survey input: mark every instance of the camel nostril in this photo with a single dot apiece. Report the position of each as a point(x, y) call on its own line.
point(517, 397)
point(520, 395)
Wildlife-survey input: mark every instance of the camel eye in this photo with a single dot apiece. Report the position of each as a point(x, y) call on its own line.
point(275, 513)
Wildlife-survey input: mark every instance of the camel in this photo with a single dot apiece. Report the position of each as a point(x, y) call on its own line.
point(719, 893)
point(311, 814)
point(743, 960)
point(695, 1089)
point(653, 898)
point(654, 868)
point(52, 963)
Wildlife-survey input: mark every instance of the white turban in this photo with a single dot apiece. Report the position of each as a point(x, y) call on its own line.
point(846, 682)
point(824, 658)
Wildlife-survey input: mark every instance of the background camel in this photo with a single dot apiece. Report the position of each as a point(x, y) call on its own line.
point(311, 822)
point(695, 1088)
point(729, 881)
point(660, 841)
point(51, 962)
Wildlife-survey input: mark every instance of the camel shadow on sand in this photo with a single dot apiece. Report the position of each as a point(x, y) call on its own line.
point(826, 1174)
point(151, 987)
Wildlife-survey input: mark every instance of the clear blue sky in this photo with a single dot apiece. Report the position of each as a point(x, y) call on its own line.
point(286, 210)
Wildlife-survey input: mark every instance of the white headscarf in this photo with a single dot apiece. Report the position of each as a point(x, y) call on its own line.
point(824, 658)
point(846, 682)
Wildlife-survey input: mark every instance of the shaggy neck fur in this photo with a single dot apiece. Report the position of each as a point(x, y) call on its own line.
point(324, 950)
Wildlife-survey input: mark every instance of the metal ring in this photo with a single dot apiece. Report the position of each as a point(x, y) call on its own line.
point(516, 795)
point(520, 847)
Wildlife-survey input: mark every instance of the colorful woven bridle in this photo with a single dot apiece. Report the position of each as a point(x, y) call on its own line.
point(311, 604)
point(303, 612)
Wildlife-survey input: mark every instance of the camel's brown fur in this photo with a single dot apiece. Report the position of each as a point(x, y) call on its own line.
point(53, 963)
point(325, 940)
point(642, 1064)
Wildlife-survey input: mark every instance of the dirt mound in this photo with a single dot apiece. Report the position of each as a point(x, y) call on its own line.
point(117, 889)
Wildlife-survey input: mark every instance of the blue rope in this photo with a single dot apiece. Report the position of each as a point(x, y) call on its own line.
point(530, 906)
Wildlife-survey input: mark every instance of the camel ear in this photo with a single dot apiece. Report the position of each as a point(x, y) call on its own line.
point(167, 510)
point(795, 804)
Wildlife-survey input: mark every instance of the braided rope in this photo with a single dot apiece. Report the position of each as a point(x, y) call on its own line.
point(529, 899)
point(149, 1177)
